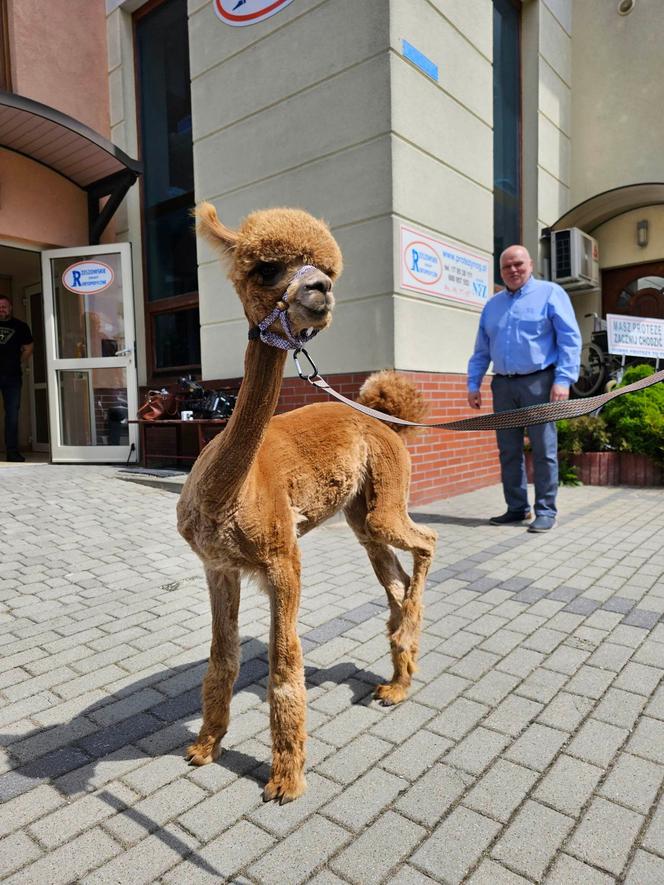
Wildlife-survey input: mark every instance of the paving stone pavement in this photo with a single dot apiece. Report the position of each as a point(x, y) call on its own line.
point(531, 747)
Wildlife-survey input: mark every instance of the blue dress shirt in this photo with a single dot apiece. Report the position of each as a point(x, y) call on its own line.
point(525, 331)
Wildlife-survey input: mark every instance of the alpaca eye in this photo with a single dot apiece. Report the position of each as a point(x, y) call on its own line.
point(269, 272)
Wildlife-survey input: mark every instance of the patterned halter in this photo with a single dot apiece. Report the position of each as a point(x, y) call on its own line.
point(289, 340)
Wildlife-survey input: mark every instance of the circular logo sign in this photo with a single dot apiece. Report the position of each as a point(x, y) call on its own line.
point(88, 277)
point(422, 262)
point(247, 12)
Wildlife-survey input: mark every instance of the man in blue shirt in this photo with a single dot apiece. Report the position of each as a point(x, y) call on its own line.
point(530, 334)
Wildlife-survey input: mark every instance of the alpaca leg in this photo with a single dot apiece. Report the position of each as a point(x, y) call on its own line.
point(287, 695)
point(376, 529)
point(223, 666)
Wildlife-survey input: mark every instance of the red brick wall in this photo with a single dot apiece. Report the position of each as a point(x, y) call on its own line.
point(444, 463)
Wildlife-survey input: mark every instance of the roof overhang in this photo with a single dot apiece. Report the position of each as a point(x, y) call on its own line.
point(610, 204)
point(71, 149)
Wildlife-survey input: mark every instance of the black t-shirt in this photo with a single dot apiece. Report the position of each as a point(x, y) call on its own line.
point(13, 335)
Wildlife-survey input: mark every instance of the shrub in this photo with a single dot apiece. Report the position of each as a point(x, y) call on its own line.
point(585, 434)
point(635, 422)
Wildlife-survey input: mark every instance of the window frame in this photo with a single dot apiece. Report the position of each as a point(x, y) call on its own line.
point(5, 55)
point(156, 377)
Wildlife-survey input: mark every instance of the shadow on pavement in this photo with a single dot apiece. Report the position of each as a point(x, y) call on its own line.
point(432, 518)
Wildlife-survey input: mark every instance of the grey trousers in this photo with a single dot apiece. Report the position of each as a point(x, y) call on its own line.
point(514, 393)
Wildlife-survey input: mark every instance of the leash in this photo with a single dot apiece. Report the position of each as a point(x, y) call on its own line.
point(524, 417)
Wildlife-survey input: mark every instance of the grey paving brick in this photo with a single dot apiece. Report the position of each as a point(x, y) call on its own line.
point(442, 691)
point(457, 719)
point(605, 836)
point(491, 873)
point(69, 862)
point(633, 782)
point(222, 858)
point(416, 754)
point(492, 688)
point(619, 708)
point(16, 851)
point(542, 685)
point(362, 801)
point(532, 839)
point(301, 852)
point(645, 869)
point(501, 790)
point(641, 618)
point(502, 642)
point(348, 725)
point(213, 815)
point(568, 785)
point(566, 711)
point(430, 798)
point(456, 845)
point(513, 714)
point(148, 860)
point(68, 822)
point(172, 800)
point(354, 759)
point(568, 870)
point(619, 604)
point(656, 704)
point(610, 656)
point(544, 639)
point(590, 682)
point(282, 819)
point(639, 679)
point(653, 839)
point(537, 746)
point(407, 875)
point(17, 813)
point(380, 848)
point(475, 664)
point(521, 662)
point(650, 653)
point(476, 751)
point(597, 742)
point(648, 740)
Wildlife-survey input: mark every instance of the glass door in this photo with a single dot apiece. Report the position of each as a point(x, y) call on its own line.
point(36, 371)
point(90, 359)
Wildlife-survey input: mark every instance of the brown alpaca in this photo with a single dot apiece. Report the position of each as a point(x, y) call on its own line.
point(266, 480)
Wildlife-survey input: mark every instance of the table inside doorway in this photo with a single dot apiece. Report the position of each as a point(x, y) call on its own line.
point(151, 431)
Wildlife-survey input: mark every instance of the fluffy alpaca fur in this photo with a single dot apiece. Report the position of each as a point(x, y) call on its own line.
point(266, 480)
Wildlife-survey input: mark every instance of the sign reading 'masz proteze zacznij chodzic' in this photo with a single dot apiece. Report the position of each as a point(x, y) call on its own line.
point(247, 12)
point(635, 336)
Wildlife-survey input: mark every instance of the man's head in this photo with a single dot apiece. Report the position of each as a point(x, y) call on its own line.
point(5, 308)
point(516, 267)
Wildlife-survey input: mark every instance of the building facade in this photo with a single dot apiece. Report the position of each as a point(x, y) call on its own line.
point(430, 134)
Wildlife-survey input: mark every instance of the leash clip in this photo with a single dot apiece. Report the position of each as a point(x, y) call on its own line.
point(303, 375)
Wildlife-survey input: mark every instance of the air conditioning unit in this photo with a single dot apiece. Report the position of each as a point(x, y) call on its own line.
point(574, 260)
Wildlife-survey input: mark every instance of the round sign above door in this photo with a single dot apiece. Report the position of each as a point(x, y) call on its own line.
point(247, 12)
point(87, 277)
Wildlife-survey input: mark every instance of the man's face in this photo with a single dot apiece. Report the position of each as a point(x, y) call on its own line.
point(516, 267)
point(5, 309)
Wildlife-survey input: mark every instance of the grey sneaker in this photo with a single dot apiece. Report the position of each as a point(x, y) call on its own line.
point(511, 517)
point(542, 524)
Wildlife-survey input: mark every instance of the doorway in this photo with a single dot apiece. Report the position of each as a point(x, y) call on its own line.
point(637, 290)
point(20, 280)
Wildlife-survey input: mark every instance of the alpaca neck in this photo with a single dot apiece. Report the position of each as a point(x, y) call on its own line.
point(238, 445)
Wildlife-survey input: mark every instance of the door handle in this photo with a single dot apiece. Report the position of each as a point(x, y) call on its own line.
point(124, 352)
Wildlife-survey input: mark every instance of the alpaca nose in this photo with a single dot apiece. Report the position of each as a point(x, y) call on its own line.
point(315, 292)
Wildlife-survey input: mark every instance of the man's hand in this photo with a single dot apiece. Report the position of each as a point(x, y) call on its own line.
point(474, 399)
point(559, 392)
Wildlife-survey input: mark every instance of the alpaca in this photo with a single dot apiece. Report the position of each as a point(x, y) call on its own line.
point(266, 480)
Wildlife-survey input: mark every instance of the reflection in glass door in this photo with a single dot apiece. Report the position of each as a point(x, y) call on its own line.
point(38, 385)
point(90, 347)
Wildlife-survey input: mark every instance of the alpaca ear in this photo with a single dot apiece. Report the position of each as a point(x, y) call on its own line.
point(220, 237)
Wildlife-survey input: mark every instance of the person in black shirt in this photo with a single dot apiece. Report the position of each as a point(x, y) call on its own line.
point(16, 346)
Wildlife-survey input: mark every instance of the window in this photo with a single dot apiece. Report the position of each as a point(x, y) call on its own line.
point(5, 64)
point(506, 129)
point(169, 244)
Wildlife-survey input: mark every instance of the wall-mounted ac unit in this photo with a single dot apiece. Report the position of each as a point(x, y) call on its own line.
point(574, 260)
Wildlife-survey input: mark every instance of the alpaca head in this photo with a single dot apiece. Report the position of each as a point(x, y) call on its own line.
point(264, 254)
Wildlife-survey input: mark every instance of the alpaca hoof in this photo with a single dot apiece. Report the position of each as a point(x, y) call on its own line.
point(284, 789)
point(202, 752)
point(390, 694)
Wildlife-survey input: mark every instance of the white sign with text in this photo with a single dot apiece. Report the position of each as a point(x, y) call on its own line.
point(635, 336)
point(239, 13)
point(443, 268)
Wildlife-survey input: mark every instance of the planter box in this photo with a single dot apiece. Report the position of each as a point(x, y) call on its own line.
point(611, 469)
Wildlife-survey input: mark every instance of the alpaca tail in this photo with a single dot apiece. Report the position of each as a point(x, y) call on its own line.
point(394, 394)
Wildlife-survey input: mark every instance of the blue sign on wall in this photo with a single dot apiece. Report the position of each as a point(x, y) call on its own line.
point(420, 60)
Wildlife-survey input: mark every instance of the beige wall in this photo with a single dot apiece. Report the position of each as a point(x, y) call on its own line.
point(57, 52)
point(618, 95)
point(38, 205)
point(617, 238)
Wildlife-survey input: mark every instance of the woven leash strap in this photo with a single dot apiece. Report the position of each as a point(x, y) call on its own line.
point(525, 417)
